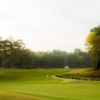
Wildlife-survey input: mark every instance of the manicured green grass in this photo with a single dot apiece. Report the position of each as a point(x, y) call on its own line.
point(35, 84)
point(24, 76)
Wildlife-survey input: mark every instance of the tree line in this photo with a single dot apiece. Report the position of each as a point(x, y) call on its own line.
point(14, 54)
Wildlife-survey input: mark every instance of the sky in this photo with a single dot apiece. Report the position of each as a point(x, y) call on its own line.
point(49, 24)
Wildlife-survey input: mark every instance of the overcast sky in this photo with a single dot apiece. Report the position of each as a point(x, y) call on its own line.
point(49, 24)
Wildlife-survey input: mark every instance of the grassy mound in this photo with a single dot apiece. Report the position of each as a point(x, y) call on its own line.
point(82, 74)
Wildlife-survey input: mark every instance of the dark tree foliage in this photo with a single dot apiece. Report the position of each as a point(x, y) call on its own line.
point(59, 59)
point(14, 54)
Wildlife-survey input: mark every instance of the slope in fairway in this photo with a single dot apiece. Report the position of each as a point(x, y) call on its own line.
point(35, 85)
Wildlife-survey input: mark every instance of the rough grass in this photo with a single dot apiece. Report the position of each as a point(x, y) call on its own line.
point(86, 72)
point(35, 85)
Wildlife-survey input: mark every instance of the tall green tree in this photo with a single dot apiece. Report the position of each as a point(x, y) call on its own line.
point(93, 44)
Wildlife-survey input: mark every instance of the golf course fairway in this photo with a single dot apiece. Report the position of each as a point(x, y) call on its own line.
point(39, 84)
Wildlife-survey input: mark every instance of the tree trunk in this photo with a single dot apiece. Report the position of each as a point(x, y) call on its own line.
point(97, 65)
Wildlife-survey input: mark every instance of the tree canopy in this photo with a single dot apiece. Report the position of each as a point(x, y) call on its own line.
point(93, 44)
point(14, 54)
